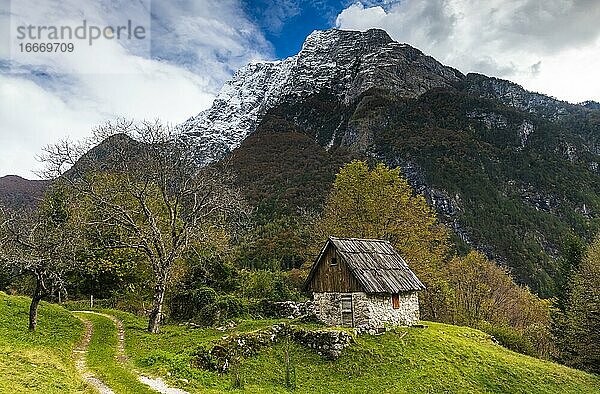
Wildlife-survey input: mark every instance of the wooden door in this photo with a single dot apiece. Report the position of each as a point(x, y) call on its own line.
point(347, 311)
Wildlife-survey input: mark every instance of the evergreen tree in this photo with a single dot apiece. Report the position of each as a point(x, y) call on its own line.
point(579, 326)
point(572, 254)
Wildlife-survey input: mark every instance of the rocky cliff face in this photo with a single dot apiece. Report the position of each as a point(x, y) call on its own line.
point(343, 63)
point(510, 171)
point(347, 64)
point(514, 95)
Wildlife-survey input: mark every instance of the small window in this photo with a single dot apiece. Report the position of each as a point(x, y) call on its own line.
point(396, 301)
point(334, 261)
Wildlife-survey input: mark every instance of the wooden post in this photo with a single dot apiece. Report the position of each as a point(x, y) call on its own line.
point(91, 300)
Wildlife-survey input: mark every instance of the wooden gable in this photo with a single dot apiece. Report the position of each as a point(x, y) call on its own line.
point(354, 264)
point(332, 273)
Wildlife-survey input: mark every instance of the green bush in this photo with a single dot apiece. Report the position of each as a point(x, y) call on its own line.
point(510, 338)
point(82, 305)
point(225, 308)
point(187, 304)
point(230, 307)
point(208, 316)
point(134, 302)
point(274, 286)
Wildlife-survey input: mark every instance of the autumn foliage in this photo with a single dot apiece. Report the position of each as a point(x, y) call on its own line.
point(467, 290)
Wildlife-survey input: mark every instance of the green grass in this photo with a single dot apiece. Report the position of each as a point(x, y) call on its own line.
point(168, 353)
point(102, 360)
point(440, 358)
point(40, 361)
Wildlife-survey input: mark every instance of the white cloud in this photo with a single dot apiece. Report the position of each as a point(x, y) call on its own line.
point(32, 117)
point(195, 46)
point(552, 47)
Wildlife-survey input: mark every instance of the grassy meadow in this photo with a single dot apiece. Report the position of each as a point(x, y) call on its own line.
point(40, 361)
point(439, 358)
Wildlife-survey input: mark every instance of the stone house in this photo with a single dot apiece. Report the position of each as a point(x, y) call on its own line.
point(363, 283)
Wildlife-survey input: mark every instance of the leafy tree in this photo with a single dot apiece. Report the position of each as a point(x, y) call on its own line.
point(379, 203)
point(483, 291)
point(105, 273)
point(579, 326)
point(40, 243)
point(144, 191)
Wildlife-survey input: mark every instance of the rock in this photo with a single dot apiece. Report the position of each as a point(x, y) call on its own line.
point(329, 343)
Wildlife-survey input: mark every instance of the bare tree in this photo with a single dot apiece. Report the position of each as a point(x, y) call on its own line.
point(39, 242)
point(145, 191)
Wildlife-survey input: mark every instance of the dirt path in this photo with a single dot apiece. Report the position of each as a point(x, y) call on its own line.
point(159, 385)
point(79, 354)
point(156, 384)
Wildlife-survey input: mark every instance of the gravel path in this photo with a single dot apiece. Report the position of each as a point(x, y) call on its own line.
point(159, 385)
point(156, 384)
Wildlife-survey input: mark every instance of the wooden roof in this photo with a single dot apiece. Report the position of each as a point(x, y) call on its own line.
point(374, 263)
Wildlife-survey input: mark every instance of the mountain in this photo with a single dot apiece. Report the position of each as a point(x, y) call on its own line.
point(344, 63)
point(512, 172)
point(18, 192)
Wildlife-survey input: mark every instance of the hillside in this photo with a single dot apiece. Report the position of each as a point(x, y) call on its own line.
point(18, 192)
point(38, 362)
point(439, 358)
point(511, 194)
point(510, 171)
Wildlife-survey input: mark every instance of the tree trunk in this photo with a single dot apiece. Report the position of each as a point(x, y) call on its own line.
point(33, 307)
point(157, 305)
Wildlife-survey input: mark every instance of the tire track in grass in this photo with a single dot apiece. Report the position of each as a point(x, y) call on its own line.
point(155, 384)
point(79, 354)
point(104, 358)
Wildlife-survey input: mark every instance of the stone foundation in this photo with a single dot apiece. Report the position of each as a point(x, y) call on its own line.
point(369, 310)
point(231, 348)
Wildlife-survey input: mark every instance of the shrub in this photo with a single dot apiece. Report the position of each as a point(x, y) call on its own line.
point(542, 341)
point(274, 286)
point(510, 338)
point(224, 308)
point(132, 302)
point(231, 307)
point(186, 305)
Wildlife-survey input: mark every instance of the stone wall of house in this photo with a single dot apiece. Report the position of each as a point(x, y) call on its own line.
point(381, 310)
point(370, 310)
point(328, 308)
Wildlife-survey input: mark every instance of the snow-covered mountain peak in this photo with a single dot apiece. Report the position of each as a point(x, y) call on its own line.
point(328, 39)
point(345, 63)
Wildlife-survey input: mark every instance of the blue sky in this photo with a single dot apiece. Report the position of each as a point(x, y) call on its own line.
point(194, 46)
point(286, 24)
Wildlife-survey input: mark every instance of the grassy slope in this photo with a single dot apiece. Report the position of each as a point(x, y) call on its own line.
point(169, 353)
point(441, 358)
point(38, 362)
